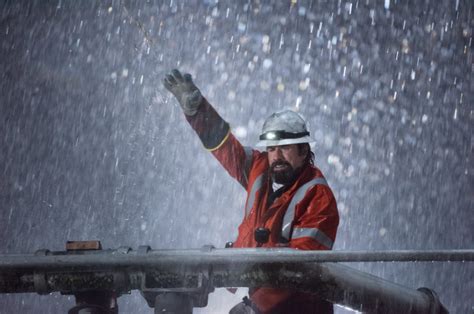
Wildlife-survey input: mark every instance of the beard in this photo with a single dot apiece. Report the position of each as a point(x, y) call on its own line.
point(283, 173)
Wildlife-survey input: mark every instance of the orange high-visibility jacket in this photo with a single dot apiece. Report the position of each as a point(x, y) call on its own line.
point(304, 217)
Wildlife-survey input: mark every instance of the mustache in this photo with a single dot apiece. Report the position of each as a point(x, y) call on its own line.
point(279, 163)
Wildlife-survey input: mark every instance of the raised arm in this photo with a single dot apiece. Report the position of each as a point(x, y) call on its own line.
point(213, 131)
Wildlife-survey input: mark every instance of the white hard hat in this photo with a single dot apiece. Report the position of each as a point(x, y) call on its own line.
point(284, 128)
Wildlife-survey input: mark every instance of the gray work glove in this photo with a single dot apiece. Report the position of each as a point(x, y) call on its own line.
point(183, 88)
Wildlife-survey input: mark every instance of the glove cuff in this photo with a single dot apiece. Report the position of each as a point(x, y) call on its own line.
point(210, 127)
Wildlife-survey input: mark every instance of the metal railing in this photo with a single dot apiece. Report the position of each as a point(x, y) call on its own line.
point(196, 272)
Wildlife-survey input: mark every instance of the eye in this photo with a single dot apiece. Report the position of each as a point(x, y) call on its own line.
point(270, 148)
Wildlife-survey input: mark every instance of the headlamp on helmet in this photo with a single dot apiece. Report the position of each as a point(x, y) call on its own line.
point(281, 135)
point(284, 128)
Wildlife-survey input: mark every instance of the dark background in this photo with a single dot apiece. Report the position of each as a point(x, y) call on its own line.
point(93, 147)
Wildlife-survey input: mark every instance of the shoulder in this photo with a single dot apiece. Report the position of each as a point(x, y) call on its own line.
point(260, 160)
point(316, 185)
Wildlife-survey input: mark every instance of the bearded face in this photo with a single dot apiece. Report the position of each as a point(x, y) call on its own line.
point(285, 163)
point(282, 172)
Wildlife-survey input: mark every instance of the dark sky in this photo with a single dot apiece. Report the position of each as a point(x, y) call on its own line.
point(93, 147)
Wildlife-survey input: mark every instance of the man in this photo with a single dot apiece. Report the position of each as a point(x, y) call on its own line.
point(289, 202)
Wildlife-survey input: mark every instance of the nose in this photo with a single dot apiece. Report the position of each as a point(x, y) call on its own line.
point(277, 154)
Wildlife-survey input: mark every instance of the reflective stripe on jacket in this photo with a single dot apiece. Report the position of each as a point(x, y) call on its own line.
point(305, 216)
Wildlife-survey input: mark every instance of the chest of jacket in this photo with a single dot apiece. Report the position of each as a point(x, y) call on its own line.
point(260, 213)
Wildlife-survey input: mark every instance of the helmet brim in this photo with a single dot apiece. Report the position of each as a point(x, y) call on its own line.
point(288, 141)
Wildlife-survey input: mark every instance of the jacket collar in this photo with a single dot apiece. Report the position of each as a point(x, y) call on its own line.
point(307, 173)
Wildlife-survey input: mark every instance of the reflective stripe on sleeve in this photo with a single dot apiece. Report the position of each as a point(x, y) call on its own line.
point(257, 184)
point(222, 141)
point(313, 233)
point(290, 212)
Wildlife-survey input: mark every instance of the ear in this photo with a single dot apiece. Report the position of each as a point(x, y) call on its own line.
point(303, 150)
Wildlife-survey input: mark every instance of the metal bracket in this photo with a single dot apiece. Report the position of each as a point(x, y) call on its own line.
point(39, 278)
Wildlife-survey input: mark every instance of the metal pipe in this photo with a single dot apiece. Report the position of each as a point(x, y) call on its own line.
point(336, 283)
point(124, 269)
point(117, 258)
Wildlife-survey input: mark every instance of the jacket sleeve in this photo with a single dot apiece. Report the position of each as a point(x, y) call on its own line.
point(316, 220)
point(217, 138)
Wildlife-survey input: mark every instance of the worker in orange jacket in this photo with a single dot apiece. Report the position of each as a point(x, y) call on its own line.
point(289, 202)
